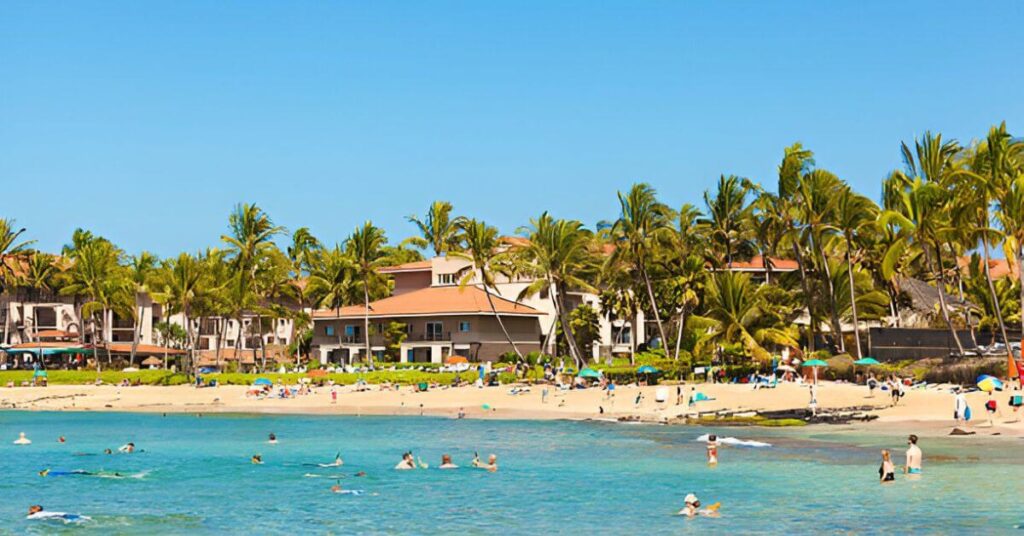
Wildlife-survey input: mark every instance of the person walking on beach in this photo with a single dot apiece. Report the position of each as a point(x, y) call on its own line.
point(813, 404)
point(897, 391)
point(960, 408)
point(914, 456)
point(990, 408)
point(887, 471)
point(872, 385)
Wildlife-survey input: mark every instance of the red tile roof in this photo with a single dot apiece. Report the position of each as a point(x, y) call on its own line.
point(757, 264)
point(433, 301)
point(418, 266)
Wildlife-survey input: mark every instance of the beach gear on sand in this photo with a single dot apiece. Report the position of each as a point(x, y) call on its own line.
point(263, 381)
point(988, 383)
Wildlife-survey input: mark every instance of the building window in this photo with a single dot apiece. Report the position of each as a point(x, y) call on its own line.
point(464, 327)
point(329, 330)
point(622, 334)
point(446, 279)
point(231, 343)
point(434, 332)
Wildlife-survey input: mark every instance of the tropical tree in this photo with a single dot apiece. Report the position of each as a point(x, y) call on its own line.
point(732, 303)
point(479, 245)
point(558, 256)
point(141, 268)
point(642, 219)
point(855, 216)
point(251, 235)
point(11, 246)
point(727, 213)
point(365, 247)
point(332, 281)
point(98, 275)
point(438, 230)
point(178, 285)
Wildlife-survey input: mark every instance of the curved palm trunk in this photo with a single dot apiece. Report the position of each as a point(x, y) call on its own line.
point(942, 300)
point(337, 312)
point(220, 340)
point(995, 299)
point(654, 307)
point(967, 313)
point(812, 328)
point(679, 332)
point(263, 344)
point(853, 296)
point(570, 340)
point(501, 323)
point(135, 337)
point(110, 357)
point(837, 328)
point(366, 319)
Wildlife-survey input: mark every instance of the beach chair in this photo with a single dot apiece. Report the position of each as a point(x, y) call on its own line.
point(422, 387)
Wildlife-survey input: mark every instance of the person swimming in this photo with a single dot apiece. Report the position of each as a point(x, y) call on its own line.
point(338, 462)
point(107, 451)
point(407, 462)
point(446, 463)
point(256, 459)
point(272, 439)
point(692, 507)
point(22, 440)
point(491, 465)
point(127, 448)
point(712, 449)
point(48, 472)
point(36, 512)
point(61, 439)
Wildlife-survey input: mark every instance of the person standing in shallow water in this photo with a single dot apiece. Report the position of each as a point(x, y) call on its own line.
point(914, 456)
point(887, 471)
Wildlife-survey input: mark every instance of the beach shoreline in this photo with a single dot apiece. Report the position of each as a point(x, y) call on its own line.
point(923, 411)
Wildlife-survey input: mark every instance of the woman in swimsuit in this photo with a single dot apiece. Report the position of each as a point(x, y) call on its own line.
point(887, 471)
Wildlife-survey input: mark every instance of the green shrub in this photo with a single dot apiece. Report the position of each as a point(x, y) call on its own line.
point(88, 377)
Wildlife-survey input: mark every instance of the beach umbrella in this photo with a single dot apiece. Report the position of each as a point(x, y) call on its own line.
point(263, 381)
point(589, 373)
point(988, 383)
point(815, 364)
point(866, 361)
point(455, 360)
point(647, 370)
point(39, 373)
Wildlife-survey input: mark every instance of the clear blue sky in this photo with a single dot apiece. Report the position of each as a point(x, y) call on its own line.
point(147, 121)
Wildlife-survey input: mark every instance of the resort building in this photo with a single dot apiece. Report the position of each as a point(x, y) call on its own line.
point(443, 319)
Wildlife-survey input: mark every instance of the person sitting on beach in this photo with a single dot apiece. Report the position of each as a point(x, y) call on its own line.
point(491, 465)
point(256, 459)
point(446, 463)
point(712, 449)
point(22, 440)
point(914, 456)
point(886, 471)
point(407, 462)
point(127, 448)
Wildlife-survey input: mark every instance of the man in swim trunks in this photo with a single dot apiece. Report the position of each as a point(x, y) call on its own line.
point(914, 457)
point(491, 465)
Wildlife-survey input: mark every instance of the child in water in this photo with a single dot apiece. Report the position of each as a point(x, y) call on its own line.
point(887, 471)
point(712, 449)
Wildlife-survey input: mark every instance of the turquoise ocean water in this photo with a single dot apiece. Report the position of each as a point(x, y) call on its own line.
point(194, 477)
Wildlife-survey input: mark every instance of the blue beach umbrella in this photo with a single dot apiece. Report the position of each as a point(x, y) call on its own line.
point(589, 373)
point(866, 361)
point(263, 381)
point(647, 369)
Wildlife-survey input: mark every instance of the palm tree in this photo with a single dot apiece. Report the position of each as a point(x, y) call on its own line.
point(10, 246)
point(1011, 218)
point(642, 219)
point(558, 255)
point(479, 243)
point(252, 234)
point(438, 230)
point(365, 247)
point(332, 280)
point(140, 272)
point(817, 191)
point(727, 212)
point(994, 166)
point(178, 284)
point(732, 303)
point(98, 275)
point(300, 253)
point(920, 212)
point(854, 214)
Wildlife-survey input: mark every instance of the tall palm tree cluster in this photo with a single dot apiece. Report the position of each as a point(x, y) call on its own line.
point(940, 220)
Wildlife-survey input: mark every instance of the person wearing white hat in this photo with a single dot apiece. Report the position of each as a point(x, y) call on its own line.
point(692, 505)
point(22, 440)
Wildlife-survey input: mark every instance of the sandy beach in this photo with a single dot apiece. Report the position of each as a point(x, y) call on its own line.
point(930, 410)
